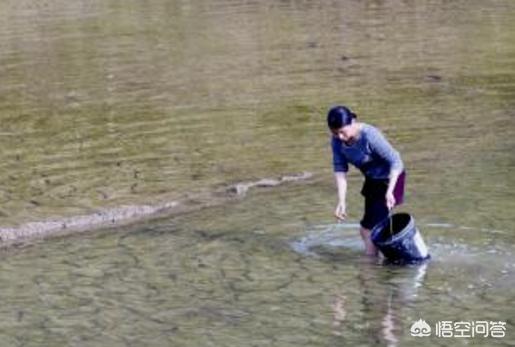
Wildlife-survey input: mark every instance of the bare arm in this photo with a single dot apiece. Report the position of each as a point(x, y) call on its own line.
point(341, 184)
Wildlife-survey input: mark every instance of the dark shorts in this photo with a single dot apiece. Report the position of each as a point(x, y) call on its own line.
point(374, 192)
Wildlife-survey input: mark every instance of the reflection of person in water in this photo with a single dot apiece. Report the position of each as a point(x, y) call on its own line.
point(365, 147)
point(383, 295)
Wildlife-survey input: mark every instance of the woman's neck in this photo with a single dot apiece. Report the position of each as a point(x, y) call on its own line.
point(357, 134)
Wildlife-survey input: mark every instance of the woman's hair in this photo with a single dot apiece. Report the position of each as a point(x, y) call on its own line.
point(339, 116)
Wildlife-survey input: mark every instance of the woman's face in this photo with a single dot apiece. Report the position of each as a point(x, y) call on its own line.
point(345, 133)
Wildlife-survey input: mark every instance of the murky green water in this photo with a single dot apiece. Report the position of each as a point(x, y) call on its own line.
point(106, 103)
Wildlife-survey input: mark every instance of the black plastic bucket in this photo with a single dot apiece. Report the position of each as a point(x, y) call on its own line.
point(400, 241)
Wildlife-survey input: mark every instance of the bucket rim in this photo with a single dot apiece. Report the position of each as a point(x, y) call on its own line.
point(376, 231)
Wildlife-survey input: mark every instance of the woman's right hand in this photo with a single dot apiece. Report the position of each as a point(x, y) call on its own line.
point(341, 211)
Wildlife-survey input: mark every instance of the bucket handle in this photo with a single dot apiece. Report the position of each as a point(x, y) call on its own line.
point(391, 224)
point(390, 214)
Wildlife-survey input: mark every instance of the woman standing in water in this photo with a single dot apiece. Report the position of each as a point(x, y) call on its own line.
point(366, 148)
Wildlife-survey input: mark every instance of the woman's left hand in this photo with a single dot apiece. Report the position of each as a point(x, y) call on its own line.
point(390, 200)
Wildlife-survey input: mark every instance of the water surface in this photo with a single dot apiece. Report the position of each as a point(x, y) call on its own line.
point(106, 103)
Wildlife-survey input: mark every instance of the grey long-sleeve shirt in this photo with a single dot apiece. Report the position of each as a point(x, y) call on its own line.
point(372, 154)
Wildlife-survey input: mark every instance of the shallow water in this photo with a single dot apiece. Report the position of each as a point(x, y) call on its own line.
point(107, 103)
point(231, 275)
